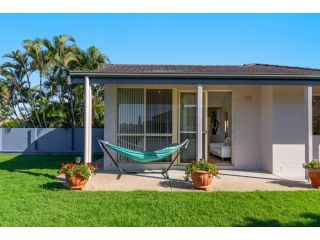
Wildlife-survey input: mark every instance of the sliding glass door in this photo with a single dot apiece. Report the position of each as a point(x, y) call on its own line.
point(144, 119)
point(188, 125)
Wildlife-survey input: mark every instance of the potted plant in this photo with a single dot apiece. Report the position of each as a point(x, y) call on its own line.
point(77, 174)
point(201, 173)
point(314, 172)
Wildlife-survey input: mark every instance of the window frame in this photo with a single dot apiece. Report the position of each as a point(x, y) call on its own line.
point(318, 134)
point(145, 134)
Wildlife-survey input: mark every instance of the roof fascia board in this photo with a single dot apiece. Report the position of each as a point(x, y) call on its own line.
point(214, 81)
point(196, 76)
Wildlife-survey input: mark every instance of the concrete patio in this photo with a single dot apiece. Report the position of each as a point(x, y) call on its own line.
point(230, 180)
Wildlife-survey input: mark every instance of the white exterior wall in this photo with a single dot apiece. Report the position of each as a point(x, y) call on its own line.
point(110, 121)
point(289, 135)
point(283, 130)
point(246, 128)
point(268, 132)
point(266, 113)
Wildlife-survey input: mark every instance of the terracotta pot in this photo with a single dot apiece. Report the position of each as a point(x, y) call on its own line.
point(76, 182)
point(314, 175)
point(201, 179)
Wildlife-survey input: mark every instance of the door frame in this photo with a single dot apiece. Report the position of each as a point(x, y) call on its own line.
point(232, 121)
point(205, 120)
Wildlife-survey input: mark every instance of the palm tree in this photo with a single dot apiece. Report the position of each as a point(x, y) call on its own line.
point(39, 63)
point(62, 53)
point(19, 71)
point(58, 104)
point(92, 59)
point(4, 100)
point(12, 78)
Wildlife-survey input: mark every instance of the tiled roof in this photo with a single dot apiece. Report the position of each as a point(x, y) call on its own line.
point(246, 69)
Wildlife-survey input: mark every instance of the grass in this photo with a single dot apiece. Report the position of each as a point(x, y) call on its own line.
point(31, 196)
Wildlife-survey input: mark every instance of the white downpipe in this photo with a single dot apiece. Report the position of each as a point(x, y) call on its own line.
point(87, 120)
point(308, 114)
point(199, 121)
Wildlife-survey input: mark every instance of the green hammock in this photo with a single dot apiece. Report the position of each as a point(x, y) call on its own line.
point(145, 156)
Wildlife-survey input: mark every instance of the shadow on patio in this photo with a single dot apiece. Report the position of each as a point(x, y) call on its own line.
point(292, 183)
point(229, 180)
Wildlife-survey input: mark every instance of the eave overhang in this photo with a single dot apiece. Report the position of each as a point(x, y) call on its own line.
point(173, 78)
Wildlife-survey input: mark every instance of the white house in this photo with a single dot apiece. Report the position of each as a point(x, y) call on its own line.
point(253, 116)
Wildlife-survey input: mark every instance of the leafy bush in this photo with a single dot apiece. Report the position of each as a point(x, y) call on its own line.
point(82, 170)
point(9, 124)
point(315, 164)
point(195, 166)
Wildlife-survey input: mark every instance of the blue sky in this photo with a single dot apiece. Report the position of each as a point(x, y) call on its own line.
point(288, 39)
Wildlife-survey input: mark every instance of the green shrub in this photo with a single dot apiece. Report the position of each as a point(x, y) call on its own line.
point(315, 164)
point(195, 166)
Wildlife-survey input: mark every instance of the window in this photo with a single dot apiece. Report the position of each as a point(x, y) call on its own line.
point(159, 111)
point(130, 111)
point(144, 119)
point(316, 114)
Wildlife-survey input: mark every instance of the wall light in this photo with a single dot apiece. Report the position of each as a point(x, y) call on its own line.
point(248, 98)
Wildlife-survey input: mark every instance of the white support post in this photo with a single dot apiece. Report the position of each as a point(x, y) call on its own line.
point(90, 123)
point(308, 114)
point(199, 121)
point(87, 120)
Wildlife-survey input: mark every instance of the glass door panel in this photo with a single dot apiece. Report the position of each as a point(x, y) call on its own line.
point(188, 112)
point(189, 154)
point(188, 125)
point(205, 126)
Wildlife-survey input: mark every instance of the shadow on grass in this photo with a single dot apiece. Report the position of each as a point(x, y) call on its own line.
point(53, 186)
point(313, 220)
point(34, 161)
point(37, 161)
point(38, 165)
point(31, 164)
point(47, 175)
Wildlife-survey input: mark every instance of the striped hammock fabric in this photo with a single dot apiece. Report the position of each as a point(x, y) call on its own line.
point(145, 156)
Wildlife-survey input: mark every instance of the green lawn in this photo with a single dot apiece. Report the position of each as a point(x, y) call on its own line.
point(30, 196)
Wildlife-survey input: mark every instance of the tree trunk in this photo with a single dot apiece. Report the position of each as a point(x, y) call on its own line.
point(43, 109)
